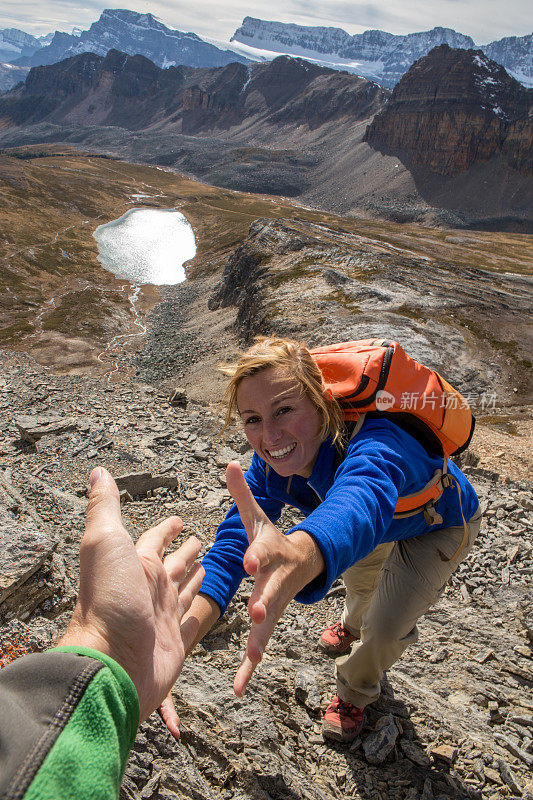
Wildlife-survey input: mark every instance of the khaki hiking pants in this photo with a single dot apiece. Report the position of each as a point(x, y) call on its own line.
point(386, 593)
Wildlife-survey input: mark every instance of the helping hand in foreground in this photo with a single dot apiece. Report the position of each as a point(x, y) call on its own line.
point(132, 599)
point(282, 566)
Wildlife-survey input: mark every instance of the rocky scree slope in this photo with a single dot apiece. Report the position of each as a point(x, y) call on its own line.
point(454, 719)
point(264, 128)
point(453, 109)
point(296, 277)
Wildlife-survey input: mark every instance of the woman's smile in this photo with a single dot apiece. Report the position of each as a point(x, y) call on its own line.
point(281, 453)
point(280, 421)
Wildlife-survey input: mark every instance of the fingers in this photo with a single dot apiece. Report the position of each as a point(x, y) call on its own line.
point(178, 563)
point(167, 712)
point(103, 509)
point(187, 575)
point(257, 611)
point(252, 515)
point(259, 555)
point(270, 596)
point(160, 537)
point(274, 588)
point(243, 675)
point(255, 647)
point(189, 588)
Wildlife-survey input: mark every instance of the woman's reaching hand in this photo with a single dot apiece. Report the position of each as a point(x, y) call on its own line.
point(282, 566)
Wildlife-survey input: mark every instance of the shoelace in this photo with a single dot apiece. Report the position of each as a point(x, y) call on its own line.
point(347, 709)
point(340, 630)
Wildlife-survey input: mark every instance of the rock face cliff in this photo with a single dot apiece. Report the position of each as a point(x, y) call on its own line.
point(453, 109)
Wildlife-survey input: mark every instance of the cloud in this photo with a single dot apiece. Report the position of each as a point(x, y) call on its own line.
point(36, 17)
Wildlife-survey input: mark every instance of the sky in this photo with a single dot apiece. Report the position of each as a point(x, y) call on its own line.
point(483, 20)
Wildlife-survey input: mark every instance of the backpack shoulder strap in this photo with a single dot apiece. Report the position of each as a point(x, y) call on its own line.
point(351, 429)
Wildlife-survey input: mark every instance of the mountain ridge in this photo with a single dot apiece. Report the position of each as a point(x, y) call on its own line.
point(187, 99)
point(382, 56)
point(374, 54)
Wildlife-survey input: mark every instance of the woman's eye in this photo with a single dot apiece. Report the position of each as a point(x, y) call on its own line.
point(251, 420)
point(284, 410)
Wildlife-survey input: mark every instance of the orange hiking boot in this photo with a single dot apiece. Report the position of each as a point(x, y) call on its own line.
point(342, 721)
point(336, 640)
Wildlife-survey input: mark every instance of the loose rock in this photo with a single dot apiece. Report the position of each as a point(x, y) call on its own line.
point(380, 744)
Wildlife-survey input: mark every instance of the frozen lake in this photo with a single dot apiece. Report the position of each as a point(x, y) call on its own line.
point(147, 245)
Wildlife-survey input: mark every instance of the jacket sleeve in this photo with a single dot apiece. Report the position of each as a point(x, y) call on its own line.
point(358, 508)
point(223, 562)
point(69, 720)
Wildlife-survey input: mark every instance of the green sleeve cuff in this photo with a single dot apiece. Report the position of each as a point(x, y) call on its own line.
point(89, 756)
point(125, 683)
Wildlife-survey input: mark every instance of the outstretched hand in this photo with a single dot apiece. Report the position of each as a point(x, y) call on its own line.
point(131, 600)
point(282, 566)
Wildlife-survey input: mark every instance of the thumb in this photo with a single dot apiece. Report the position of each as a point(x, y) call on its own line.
point(103, 509)
point(252, 515)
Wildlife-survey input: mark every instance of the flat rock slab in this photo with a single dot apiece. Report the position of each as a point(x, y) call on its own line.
point(24, 548)
point(33, 426)
point(140, 483)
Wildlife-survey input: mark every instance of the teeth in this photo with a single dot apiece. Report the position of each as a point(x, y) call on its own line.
point(280, 453)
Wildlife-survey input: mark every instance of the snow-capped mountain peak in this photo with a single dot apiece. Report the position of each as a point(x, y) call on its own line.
point(374, 54)
point(135, 33)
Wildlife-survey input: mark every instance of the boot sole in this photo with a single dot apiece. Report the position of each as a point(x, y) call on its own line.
point(338, 735)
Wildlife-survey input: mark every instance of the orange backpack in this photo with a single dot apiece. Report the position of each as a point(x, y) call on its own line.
point(376, 377)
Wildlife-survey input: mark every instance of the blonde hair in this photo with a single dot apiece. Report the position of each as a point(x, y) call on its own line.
point(294, 360)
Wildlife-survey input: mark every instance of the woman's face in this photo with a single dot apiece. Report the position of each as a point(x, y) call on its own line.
point(280, 422)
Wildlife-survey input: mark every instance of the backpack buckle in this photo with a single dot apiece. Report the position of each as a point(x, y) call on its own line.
point(447, 480)
point(431, 515)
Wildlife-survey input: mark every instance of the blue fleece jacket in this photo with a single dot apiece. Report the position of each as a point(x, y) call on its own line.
point(349, 508)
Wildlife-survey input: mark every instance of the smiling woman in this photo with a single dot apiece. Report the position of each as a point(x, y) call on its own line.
point(147, 245)
point(350, 490)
